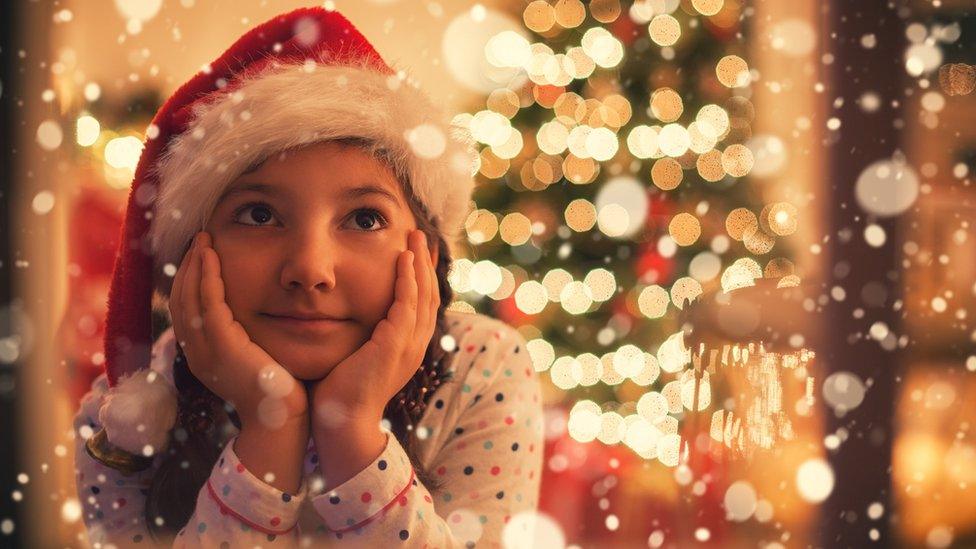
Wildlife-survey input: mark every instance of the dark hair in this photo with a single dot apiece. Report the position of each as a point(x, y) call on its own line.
point(196, 441)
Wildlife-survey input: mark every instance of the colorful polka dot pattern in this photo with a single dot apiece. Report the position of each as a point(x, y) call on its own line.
point(358, 500)
point(483, 444)
point(237, 492)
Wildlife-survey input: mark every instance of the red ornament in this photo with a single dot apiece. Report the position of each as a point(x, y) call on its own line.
point(625, 29)
point(651, 267)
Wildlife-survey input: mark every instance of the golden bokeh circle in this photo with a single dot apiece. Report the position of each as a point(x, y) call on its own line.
point(543, 171)
point(653, 301)
point(666, 105)
point(708, 7)
point(569, 13)
point(737, 160)
point(685, 289)
point(715, 119)
point(778, 268)
point(782, 218)
point(664, 30)
point(666, 174)
point(515, 229)
point(684, 229)
point(567, 108)
point(539, 16)
point(481, 226)
point(740, 107)
point(739, 221)
point(579, 170)
point(621, 107)
point(503, 101)
point(710, 166)
point(605, 11)
point(732, 71)
point(758, 241)
point(580, 215)
point(492, 166)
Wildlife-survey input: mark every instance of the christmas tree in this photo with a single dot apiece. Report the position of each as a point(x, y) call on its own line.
point(614, 192)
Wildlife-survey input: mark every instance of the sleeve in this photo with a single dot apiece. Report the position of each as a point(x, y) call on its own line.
point(112, 503)
point(490, 465)
point(236, 509)
point(233, 506)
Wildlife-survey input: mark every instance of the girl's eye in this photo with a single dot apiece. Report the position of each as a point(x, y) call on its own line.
point(366, 219)
point(259, 213)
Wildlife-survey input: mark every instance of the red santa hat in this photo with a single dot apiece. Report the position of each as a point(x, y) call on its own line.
point(303, 77)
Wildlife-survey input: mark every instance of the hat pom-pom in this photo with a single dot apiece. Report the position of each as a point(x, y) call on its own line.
point(138, 413)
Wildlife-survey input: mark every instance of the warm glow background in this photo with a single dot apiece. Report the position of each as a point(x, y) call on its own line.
point(934, 455)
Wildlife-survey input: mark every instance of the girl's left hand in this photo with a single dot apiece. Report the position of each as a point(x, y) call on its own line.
point(359, 387)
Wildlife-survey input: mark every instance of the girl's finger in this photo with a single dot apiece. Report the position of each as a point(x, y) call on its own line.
point(403, 314)
point(190, 300)
point(216, 313)
point(175, 311)
point(422, 268)
point(180, 319)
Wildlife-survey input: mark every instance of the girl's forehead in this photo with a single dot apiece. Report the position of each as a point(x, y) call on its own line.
point(335, 170)
point(334, 190)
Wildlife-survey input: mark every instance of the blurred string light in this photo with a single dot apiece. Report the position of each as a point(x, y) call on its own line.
point(87, 130)
point(573, 143)
point(137, 12)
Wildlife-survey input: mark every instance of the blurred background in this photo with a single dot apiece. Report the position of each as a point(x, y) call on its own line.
point(736, 234)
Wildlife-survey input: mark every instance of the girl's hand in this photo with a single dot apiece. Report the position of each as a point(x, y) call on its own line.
point(360, 386)
point(219, 351)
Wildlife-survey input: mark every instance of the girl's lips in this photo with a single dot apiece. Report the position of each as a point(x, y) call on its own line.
point(307, 327)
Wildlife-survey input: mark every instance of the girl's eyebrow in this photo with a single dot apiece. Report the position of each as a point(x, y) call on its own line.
point(263, 188)
point(354, 192)
point(347, 194)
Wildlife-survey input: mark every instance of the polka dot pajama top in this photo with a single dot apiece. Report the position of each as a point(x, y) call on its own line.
point(481, 435)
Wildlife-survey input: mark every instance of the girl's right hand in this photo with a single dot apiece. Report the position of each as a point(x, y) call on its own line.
point(219, 351)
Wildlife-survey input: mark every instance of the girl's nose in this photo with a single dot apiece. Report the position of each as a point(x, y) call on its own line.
point(309, 263)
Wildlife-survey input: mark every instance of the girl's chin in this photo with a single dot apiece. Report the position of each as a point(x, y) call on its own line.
point(301, 370)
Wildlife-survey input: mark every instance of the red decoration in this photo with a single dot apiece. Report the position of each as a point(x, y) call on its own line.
point(651, 267)
point(94, 228)
point(625, 29)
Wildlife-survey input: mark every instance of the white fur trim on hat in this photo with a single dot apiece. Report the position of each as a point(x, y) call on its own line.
point(287, 106)
point(140, 410)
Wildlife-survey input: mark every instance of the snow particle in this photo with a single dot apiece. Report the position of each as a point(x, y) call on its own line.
point(875, 511)
point(875, 235)
point(815, 480)
point(426, 140)
point(43, 203)
point(843, 391)
point(887, 188)
point(740, 501)
point(70, 510)
point(49, 135)
point(939, 537)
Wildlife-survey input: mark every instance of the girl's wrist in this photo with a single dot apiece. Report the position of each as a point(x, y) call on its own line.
point(254, 424)
point(274, 454)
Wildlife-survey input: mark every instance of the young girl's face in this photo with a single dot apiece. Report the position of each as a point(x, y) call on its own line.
point(315, 231)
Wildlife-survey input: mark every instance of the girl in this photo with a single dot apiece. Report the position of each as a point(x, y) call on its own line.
point(294, 204)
